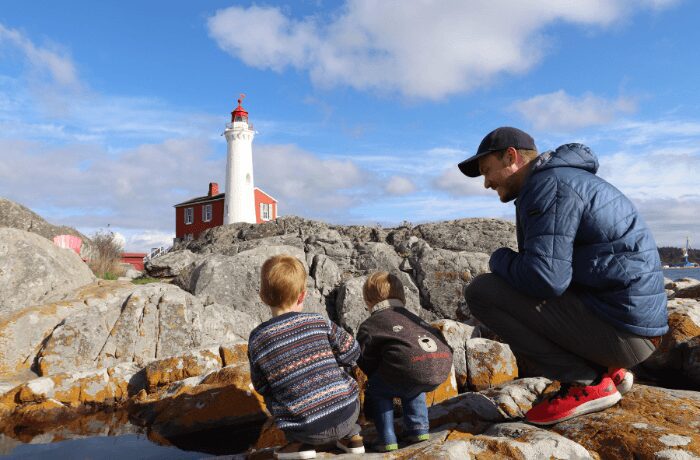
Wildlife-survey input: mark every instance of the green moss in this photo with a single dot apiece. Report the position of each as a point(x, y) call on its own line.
point(145, 280)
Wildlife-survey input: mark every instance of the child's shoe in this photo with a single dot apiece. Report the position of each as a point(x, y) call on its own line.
point(351, 445)
point(622, 378)
point(573, 400)
point(417, 438)
point(296, 451)
point(385, 447)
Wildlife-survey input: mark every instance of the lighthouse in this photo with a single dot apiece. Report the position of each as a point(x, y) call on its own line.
point(239, 205)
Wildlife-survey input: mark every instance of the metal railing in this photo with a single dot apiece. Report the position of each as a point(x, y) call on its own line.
point(156, 252)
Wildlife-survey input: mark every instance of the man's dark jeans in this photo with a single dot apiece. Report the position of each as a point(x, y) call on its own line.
point(559, 338)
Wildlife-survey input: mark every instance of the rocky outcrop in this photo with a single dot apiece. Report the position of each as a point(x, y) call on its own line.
point(173, 357)
point(23, 332)
point(34, 271)
point(154, 321)
point(235, 281)
point(439, 259)
point(172, 263)
point(678, 351)
point(686, 288)
point(14, 215)
point(351, 309)
point(648, 423)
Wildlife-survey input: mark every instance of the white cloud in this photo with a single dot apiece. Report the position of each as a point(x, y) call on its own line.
point(563, 112)
point(306, 184)
point(397, 185)
point(457, 184)
point(426, 49)
point(87, 187)
point(59, 66)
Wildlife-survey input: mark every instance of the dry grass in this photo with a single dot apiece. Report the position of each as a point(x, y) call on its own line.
point(105, 255)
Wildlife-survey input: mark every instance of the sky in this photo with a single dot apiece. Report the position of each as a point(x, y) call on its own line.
point(112, 112)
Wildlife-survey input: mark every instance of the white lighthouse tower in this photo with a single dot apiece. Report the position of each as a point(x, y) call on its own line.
point(239, 205)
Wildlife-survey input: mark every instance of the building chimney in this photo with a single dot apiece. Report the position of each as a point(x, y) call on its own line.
point(213, 188)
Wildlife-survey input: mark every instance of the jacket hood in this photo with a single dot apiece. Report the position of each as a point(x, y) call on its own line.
point(567, 155)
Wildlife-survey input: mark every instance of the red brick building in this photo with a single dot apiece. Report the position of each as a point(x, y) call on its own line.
point(194, 216)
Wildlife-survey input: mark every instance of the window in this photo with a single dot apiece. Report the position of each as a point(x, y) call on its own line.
point(189, 237)
point(265, 211)
point(189, 215)
point(206, 213)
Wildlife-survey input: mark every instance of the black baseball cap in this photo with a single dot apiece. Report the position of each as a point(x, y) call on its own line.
point(495, 141)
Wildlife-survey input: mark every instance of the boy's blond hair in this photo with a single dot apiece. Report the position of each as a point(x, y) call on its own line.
point(381, 286)
point(282, 280)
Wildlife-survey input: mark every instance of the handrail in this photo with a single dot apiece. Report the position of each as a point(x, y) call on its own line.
point(156, 252)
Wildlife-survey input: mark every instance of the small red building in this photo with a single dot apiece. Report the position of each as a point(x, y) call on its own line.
point(194, 216)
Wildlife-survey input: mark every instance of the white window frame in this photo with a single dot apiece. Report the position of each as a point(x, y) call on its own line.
point(189, 237)
point(206, 213)
point(265, 211)
point(189, 216)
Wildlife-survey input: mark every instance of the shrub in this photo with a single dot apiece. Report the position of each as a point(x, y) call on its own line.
point(105, 255)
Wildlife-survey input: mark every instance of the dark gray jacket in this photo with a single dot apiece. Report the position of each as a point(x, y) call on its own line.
point(403, 348)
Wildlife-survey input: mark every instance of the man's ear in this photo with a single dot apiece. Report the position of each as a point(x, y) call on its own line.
point(511, 156)
point(300, 299)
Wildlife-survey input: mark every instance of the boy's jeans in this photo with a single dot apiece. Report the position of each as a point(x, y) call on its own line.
point(380, 408)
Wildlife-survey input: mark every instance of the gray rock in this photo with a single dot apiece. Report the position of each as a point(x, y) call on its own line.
point(687, 288)
point(471, 235)
point(34, 271)
point(350, 306)
point(325, 273)
point(533, 443)
point(442, 275)
point(509, 401)
point(457, 334)
point(235, 281)
point(172, 263)
point(14, 215)
point(155, 321)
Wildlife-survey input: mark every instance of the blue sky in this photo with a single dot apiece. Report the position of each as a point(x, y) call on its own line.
point(111, 112)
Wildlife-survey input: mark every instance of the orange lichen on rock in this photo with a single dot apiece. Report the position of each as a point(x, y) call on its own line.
point(490, 363)
point(446, 390)
point(647, 422)
point(165, 371)
point(270, 436)
point(222, 397)
point(234, 354)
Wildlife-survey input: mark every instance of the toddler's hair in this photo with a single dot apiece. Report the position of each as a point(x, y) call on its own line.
point(382, 286)
point(282, 279)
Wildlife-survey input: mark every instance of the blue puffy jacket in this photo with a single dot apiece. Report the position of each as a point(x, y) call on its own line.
point(576, 230)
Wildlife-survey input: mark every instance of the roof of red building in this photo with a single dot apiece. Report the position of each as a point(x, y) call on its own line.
point(220, 196)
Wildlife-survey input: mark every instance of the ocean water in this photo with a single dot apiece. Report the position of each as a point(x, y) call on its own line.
point(678, 273)
point(129, 446)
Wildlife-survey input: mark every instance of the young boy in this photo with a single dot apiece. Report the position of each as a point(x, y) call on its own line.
point(403, 357)
point(295, 364)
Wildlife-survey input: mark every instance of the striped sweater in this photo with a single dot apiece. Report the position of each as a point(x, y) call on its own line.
point(295, 361)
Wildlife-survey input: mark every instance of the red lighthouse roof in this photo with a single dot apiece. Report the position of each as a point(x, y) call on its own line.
point(239, 113)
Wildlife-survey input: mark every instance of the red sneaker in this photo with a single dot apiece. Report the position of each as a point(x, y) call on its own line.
point(573, 400)
point(622, 378)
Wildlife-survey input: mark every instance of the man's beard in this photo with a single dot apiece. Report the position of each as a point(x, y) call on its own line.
point(511, 190)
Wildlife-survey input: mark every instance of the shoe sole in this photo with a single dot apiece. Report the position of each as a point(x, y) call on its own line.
point(350, 450)
point(304, 455)
point(595, 405)
point(626, 385)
